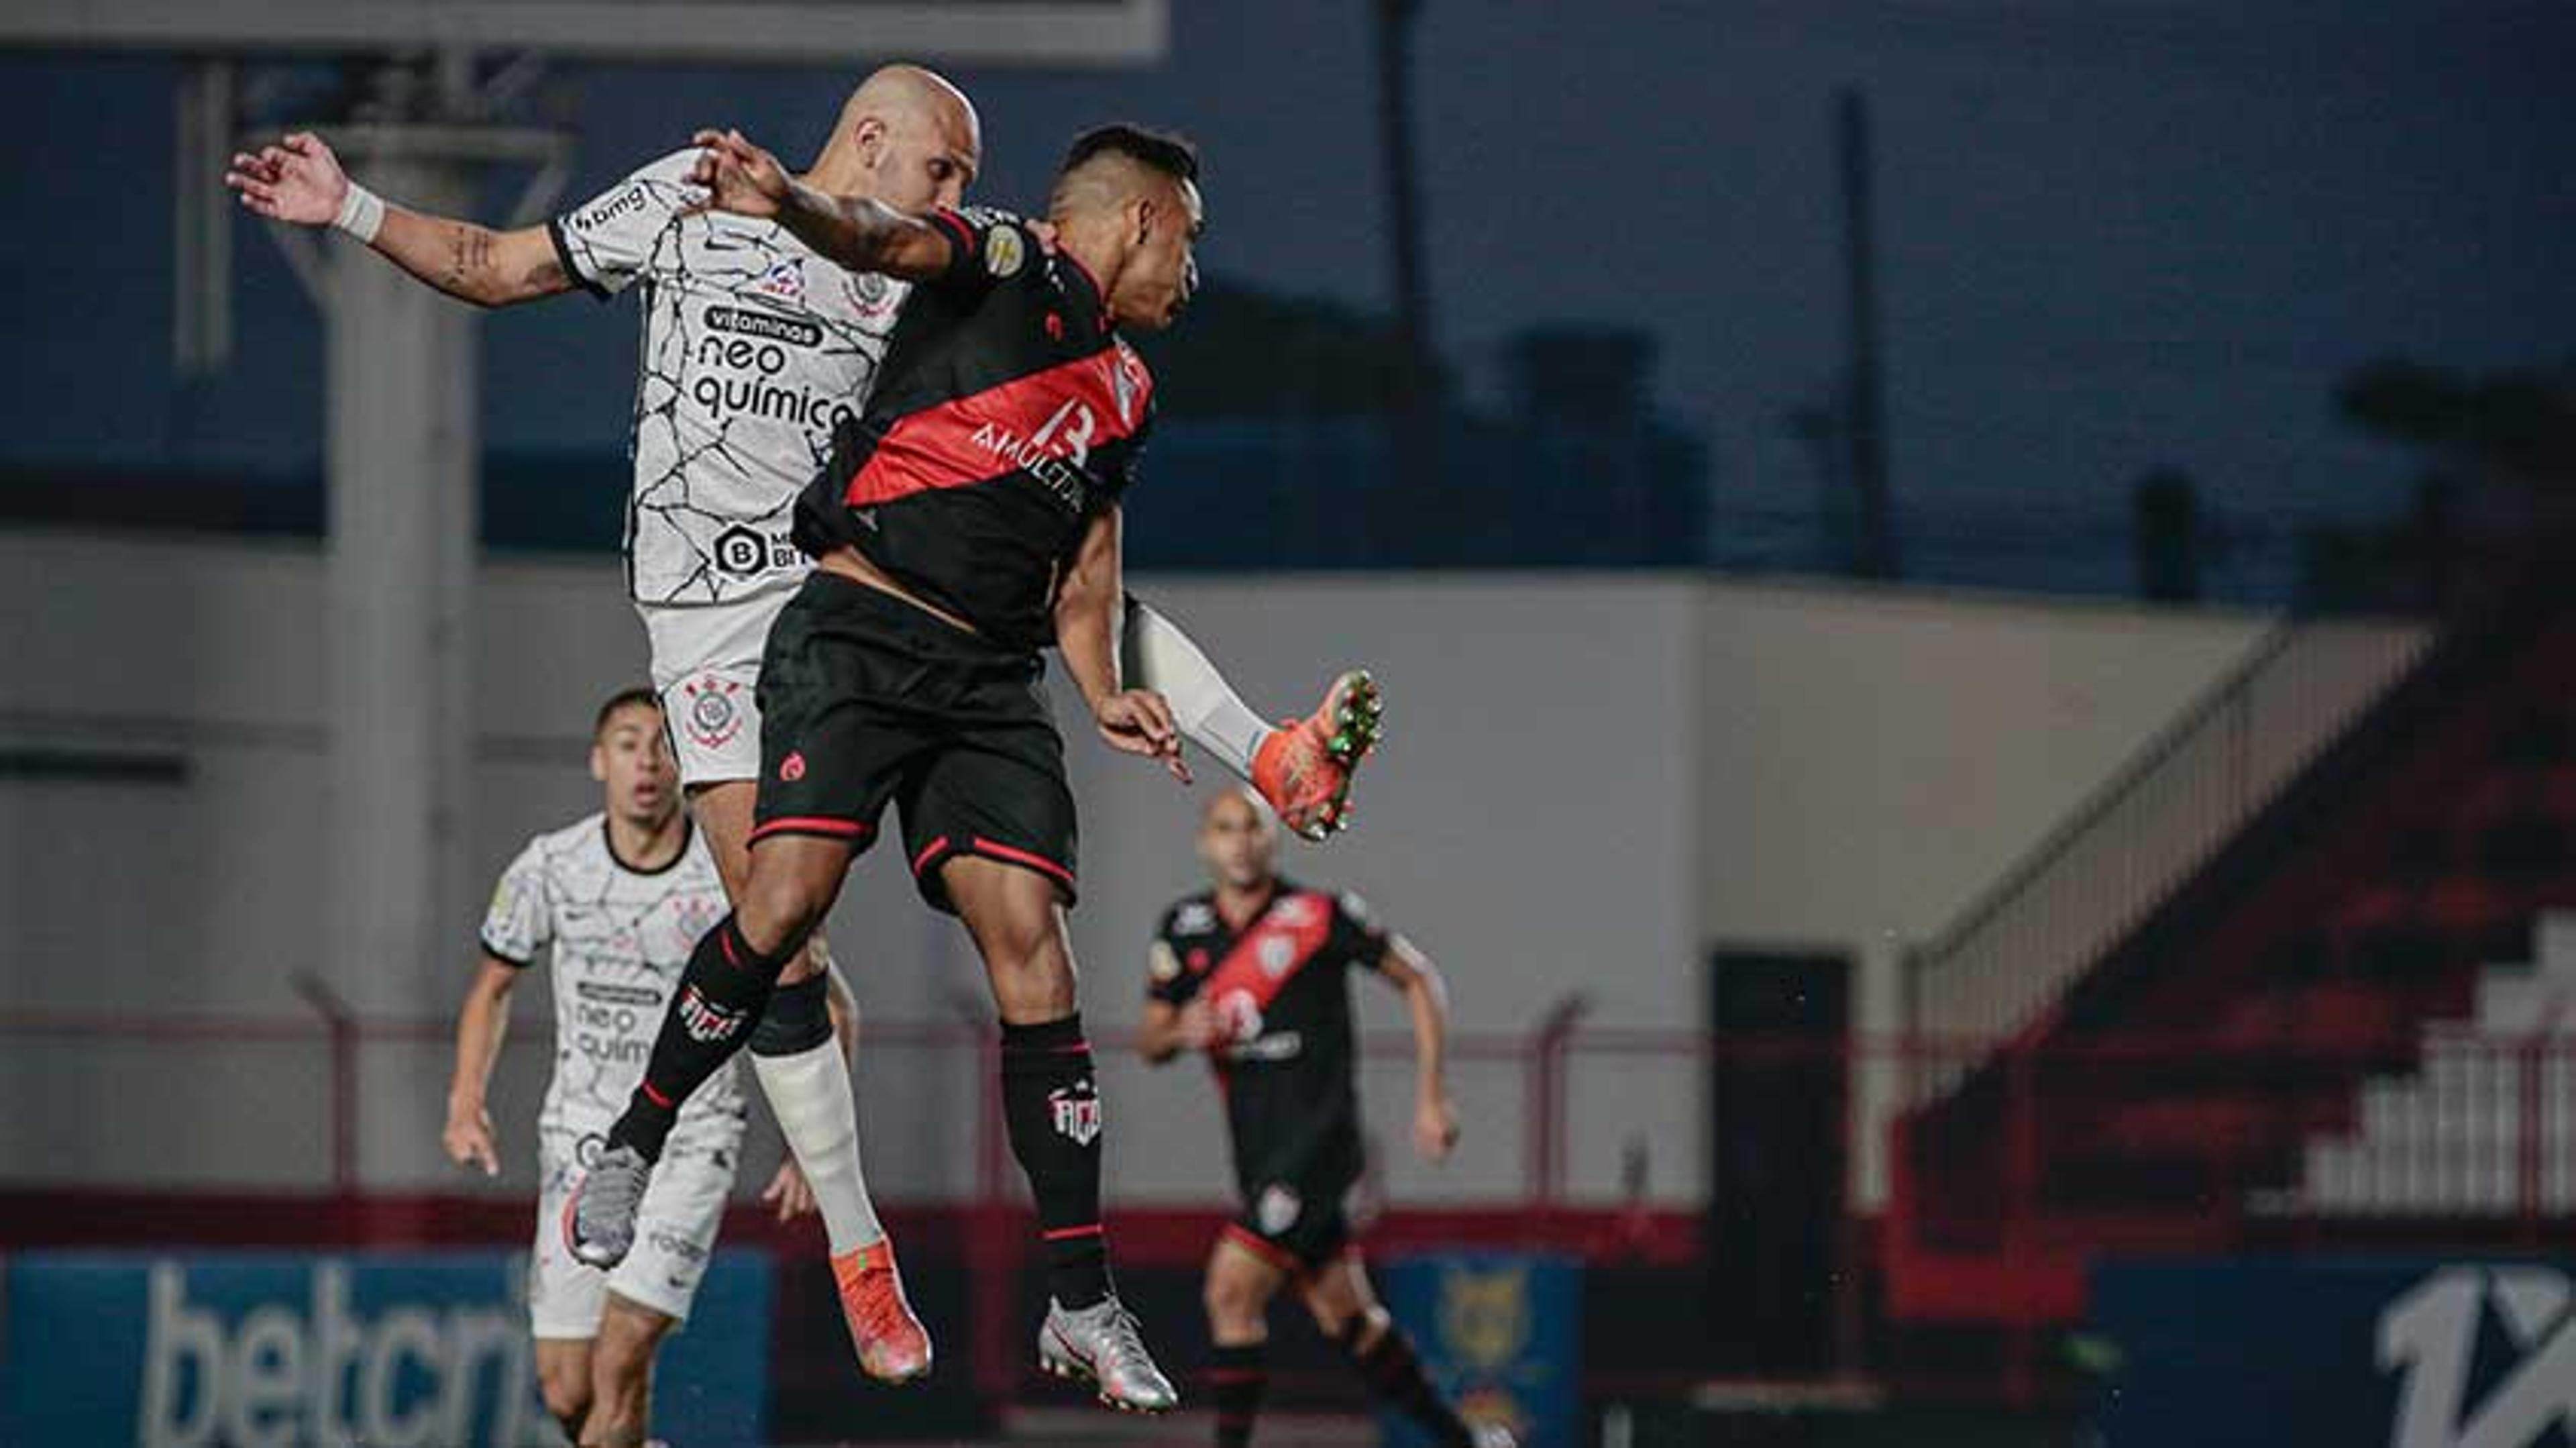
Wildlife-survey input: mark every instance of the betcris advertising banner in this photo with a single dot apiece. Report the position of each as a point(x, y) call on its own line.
point(2402, 1352)
point(1501, 1333)
point(285, 1350)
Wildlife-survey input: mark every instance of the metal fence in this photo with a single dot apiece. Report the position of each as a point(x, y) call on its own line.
point(2012, 953)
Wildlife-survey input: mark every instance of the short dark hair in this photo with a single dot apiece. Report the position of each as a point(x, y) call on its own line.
point(635, 694)
point(1165, 151)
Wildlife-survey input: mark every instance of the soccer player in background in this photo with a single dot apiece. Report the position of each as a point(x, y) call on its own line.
point(970, 521)
point(614, 901)
point(1255, 972)
point(751, 350)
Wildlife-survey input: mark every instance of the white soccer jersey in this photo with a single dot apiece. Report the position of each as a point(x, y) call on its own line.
point(753, 345)
point(618, 939)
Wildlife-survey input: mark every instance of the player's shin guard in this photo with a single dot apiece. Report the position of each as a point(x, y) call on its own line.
point(1239, 1378)
point(1053, 1110)
point(725, 988)
point(807, 1081)
point(1160, 657)
point(1394, 1373)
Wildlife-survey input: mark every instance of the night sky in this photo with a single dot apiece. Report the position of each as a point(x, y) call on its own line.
point(2115, 233)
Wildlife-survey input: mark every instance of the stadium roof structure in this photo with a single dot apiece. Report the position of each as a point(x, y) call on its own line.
point(1054, 33)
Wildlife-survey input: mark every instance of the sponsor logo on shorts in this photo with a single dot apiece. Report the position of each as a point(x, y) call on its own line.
point(1278, 1210)
point(1076, 1109)
point(792, 768)
point(674, 1245)
point(712, 715)
point(705, 1020)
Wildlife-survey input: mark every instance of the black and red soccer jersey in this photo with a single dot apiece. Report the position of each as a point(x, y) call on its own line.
point(1007, 416)
point(1280, 991)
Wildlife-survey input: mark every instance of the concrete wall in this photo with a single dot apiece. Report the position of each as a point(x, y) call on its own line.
point(1589, 780)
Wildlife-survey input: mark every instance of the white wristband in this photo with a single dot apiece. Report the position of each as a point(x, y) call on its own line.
point(362, 213)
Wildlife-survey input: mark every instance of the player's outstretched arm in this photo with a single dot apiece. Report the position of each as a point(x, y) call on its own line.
point(480, 1025)
point(858, 233)
point(1131, 721)
point(1426, 1000)
point(298, 180)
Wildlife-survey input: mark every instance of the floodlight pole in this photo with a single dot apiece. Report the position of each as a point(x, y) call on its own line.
point(402, 441)
point(400, 445)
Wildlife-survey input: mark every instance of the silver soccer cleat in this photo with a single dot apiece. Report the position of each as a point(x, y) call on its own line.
point(599, 1221)
point(1101, 1345)
point(1495, 1435)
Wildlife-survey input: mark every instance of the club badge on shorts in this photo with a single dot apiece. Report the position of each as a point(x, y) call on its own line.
point(710, 711)
point(1278, 1210)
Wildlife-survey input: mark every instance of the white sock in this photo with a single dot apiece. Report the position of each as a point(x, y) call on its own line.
point(809, 1093)
point(1160, 657)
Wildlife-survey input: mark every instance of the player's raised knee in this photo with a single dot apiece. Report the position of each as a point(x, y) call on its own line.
point(780, 908)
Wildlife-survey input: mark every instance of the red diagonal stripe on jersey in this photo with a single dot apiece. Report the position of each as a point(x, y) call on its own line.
point(938, 447)
point(1308, 926)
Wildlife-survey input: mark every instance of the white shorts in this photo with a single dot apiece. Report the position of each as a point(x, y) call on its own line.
point(706, 667)
point(674, 1235)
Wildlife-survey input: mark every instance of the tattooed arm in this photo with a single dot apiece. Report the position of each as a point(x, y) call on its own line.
point(299, 180)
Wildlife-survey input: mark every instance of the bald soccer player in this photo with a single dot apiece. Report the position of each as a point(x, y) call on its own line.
point(752, 351)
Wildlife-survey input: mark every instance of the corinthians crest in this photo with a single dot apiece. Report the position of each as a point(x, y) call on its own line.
point(709, 707)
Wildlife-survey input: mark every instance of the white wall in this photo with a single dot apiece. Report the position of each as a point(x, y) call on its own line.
point(1960, 728)
point(1589, 780)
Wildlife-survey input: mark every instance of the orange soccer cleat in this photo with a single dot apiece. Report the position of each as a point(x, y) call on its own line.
point(892, 1346)
point(1304, 768)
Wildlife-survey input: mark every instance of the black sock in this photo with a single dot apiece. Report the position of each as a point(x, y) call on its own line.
point(1239, 1376)
point(798, 1018)
point(1053, 1111)
point(724, 990)
point(1394, 1374)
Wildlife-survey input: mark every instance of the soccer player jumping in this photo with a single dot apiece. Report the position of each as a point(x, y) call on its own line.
point(752, 348)
point(1255, 972)
point(967, 523)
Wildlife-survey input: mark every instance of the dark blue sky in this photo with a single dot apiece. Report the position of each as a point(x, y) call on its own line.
point(2115, 233)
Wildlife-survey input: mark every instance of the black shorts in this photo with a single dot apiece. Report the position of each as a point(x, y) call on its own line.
point(865, 698)
point(1293, 1213)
